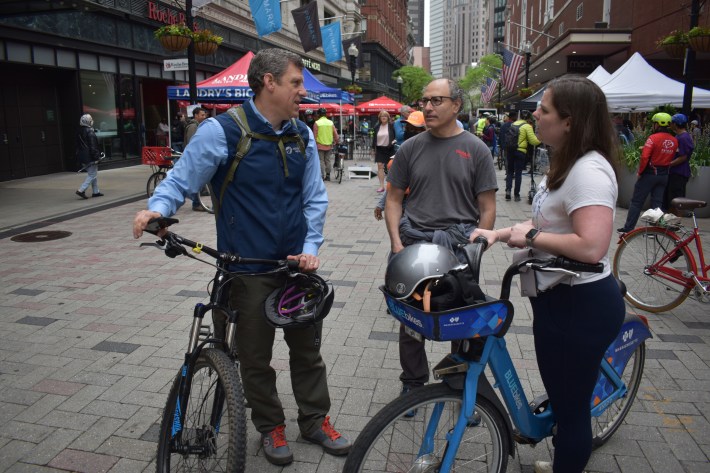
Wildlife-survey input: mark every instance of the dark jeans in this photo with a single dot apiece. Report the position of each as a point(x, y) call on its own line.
point(516, 164)
point(573, 326)
point(674, 188)
point(647, 184)
point(255, 340)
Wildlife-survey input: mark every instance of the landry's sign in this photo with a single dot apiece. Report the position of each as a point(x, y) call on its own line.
point(164, 14)
point(211, 93)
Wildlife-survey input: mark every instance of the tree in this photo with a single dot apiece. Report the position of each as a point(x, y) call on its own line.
point(489, 66)
point(414, 78)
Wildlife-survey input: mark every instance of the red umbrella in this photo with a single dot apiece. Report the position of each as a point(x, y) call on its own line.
point(379, 104)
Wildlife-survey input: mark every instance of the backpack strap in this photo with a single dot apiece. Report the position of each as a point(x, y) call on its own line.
point(245, 140)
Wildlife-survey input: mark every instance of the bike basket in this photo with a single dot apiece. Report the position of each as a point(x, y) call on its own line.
point(473, 321)
point(156, 156)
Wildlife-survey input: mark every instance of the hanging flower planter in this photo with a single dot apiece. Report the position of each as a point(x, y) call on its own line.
point(700, 43)
point(205, 48)
point(675, 50)
point(174, 37)
point(175, 43)
point(206, 42)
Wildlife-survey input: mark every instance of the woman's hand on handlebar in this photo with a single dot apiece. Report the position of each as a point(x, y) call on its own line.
point(141, 221)
point(306, 263)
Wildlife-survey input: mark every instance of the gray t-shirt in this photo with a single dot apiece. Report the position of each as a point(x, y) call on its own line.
point(445, 176)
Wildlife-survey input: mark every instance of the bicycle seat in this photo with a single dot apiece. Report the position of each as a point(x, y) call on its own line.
point(681, 203)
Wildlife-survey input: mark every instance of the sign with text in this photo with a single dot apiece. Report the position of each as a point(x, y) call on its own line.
point(179, 64)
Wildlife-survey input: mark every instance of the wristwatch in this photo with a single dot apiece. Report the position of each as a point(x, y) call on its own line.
point(531, 235)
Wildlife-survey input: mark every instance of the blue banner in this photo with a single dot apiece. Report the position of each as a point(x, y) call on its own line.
point(267, 16)
point(332, 45)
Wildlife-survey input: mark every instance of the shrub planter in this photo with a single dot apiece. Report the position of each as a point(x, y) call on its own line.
point(697, 188)
point(175, 42)
point(675, 50)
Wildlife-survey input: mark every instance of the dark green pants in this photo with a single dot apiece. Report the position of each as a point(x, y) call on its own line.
point(255, 340)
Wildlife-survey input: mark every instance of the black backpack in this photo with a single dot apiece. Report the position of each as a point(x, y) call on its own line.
point(510, 137)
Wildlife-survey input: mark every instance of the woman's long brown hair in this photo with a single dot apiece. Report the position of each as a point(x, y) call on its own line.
point(591, 129)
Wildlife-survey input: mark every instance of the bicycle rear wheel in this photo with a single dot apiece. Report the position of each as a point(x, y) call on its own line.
point(153, 181)
point(338, 168)
point(646, 287)
point(205, 196)
point(604, 426)
point(393, 442)
point(213, 436)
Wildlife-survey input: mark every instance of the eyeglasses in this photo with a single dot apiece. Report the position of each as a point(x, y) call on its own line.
point(435, 101)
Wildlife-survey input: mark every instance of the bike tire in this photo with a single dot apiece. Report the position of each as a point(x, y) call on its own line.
point(604, 426)
point(484, 446)
point(213, 368)
point(205, 197)
point(500, 163)
point(153, 181)
point(637, 251)
point(339, 175)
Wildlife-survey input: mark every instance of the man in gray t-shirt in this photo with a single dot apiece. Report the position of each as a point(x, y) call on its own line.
point(452, 183)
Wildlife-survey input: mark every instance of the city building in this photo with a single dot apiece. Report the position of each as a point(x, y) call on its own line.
point(59, 60)
point(562, 36)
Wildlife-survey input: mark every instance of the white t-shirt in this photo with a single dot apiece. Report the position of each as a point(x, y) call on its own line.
point(591, 181)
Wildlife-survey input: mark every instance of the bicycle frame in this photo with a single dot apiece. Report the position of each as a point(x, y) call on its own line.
point(660, 269)
point(533, 427)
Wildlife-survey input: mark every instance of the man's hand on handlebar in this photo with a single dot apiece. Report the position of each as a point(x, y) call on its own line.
point(306, 263)
point(491, 236)
point(141, 221)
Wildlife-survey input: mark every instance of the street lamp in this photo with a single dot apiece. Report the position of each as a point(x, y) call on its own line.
point(352, 53)
point(399, 86)
point(526, 48)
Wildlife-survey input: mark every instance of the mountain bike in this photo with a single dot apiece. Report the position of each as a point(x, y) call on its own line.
point(460, 423)
point(658, 266)
point(204, 421)
point(161, 160)
point(341, 151)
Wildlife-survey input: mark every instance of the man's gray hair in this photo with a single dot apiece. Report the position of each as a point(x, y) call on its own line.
point(455, 91)
point(272, 61)
point(405, 109)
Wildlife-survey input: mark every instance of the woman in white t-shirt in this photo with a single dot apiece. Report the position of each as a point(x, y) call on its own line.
point(575, 319)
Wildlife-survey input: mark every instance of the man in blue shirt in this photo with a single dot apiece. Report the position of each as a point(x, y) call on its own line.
point(399, 125)
point(274, 208)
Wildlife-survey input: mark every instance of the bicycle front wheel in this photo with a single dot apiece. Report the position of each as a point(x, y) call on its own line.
point(213, 435)
point(153, 181)
point(205, 197)
point(604, 426)
point(646, 287)
point(393, 442)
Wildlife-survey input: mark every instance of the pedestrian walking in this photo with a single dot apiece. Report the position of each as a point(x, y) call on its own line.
point(326, 138)
point(88, 156)
point(522, 137)
point(383, 141)
point(274, 207)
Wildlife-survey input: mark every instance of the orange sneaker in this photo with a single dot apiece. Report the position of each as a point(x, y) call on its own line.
point(330, 439)
point(276, 448)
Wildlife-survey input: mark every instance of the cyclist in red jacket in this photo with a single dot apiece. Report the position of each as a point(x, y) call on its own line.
point(656, 157)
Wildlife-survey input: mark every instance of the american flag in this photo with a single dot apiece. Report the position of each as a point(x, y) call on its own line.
point(511, 66)
point(488, 89)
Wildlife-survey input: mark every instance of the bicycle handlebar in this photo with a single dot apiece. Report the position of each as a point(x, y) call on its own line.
point(175, 245)
point(556, 264)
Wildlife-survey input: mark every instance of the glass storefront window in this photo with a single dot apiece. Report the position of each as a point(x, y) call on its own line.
point(127, 103)
point(98, 93)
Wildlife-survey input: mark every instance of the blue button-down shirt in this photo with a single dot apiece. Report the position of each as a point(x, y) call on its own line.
point(208, 150)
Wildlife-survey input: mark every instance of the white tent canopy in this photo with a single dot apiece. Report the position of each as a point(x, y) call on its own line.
point(638, 87)
point(599, 75)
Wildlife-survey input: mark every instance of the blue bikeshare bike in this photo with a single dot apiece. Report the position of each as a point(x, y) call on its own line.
point(460, 423)
point(203, 428)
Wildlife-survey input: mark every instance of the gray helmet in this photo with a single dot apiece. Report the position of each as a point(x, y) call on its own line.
point(415, 264)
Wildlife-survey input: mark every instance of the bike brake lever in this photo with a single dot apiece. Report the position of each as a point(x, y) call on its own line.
point(158, 244)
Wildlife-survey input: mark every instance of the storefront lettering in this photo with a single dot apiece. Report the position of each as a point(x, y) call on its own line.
point(310, 64)
point(231, 78)
point(163, 15)
point(215, 93)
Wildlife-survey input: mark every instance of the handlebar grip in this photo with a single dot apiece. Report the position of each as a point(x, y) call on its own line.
point(578, 266)
point(480, 239)
point(292, 265)
point(158, 223)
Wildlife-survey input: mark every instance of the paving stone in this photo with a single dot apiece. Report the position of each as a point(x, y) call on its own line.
point(75, 460)
point(116, 347)
point(51, 446)
point(39, 321)
point(27, 292)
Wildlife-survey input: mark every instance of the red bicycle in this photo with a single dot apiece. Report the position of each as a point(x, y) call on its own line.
point(658, 266)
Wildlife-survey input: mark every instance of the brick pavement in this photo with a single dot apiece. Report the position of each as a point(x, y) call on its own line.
point(92, 330)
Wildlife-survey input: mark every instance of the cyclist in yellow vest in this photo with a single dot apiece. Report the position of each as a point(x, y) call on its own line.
point(326, 136)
